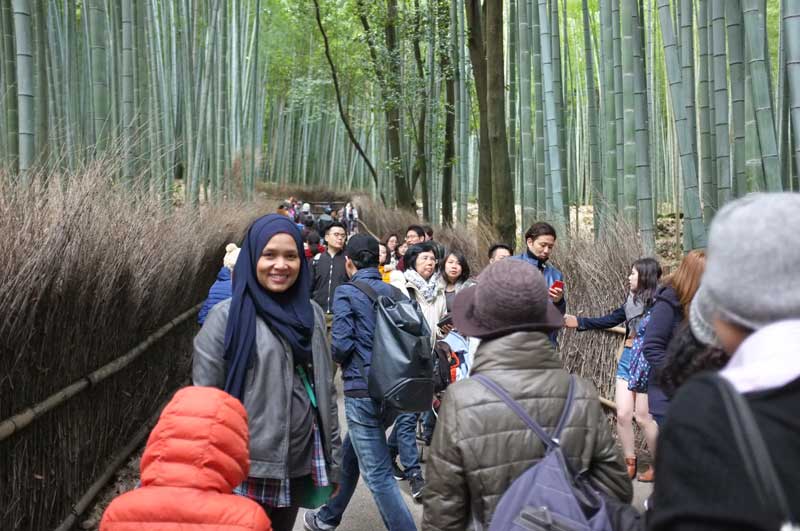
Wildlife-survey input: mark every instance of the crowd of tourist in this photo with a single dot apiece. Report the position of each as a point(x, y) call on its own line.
point(707, 369)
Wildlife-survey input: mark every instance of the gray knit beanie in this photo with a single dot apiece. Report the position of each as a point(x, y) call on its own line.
point(752, 275)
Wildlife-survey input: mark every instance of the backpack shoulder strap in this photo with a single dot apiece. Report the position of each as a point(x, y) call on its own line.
point(752, 448)
point(550, 442)
point(373, 295)
point(366, 289)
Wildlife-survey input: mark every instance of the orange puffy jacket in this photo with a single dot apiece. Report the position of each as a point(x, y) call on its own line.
point(195, 456)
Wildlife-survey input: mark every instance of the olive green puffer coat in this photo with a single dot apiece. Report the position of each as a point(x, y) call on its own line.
point(480, 446)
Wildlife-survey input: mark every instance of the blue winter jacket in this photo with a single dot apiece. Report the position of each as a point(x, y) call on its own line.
point(665, 316)
point(220, 290)
point(551, 274)
point(353, 328)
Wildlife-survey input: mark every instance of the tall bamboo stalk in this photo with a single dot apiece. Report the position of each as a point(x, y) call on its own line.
point(791, 28)
point(753, 15)
point(23, 41)
point(721, 125)
point(694, 228)
point(644, 195)
point(627, 10)
point(526, 142)
point(551, 117)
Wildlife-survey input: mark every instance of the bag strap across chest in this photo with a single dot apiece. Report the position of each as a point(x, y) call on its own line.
point(550, 441)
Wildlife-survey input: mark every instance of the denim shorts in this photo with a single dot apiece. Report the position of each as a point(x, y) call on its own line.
point(624, 365)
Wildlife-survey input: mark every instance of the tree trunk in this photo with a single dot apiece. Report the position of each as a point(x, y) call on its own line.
point(503, 213)
point(477, 54)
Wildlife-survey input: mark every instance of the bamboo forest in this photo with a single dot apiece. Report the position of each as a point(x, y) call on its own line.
point(527, 108)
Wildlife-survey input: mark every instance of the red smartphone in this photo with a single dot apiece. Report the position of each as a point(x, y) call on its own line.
point(557, 285)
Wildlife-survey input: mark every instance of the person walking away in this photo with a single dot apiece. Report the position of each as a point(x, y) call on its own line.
point(324, 221)
point(670, 307)
point(642, 282)
point(428, 233)
point(421, 282)
point(752, 307)
point(266, 347)
point(456, 276)
point(481, 446)
point(354, 220)
point(364, 449)
point(221, 288)
point(311, 246)
point(195, 456)
point(328, 268)
point(499, 251)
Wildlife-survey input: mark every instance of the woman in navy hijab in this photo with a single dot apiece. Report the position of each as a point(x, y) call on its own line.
point(266, 346)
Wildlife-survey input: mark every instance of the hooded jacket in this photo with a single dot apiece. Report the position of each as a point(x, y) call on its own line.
point(194, 457)
point(665, 316)
point(220, 290)
point(480, 446)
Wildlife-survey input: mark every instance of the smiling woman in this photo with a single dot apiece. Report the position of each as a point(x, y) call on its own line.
point(266, 346)
point(279, 265)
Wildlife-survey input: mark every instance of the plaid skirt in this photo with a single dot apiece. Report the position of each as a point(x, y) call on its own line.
point(276, 492)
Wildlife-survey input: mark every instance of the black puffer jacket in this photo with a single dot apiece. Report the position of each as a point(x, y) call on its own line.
point(480, 446)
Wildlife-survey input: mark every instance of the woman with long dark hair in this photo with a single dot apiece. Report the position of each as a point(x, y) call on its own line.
point(643, 282)
point(266, 346)
point(392, 256)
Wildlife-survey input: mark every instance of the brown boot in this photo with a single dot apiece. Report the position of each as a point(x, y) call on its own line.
point(630, 462)
point(648, 475)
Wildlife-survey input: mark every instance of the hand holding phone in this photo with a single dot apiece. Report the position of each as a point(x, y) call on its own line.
point(556, 291)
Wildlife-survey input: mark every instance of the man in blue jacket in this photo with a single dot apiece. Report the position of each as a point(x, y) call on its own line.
point(364, 448)
point(541, 239)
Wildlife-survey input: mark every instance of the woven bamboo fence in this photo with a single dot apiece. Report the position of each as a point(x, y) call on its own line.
point(90, 274)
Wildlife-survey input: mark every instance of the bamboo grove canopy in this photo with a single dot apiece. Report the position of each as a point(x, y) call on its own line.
point(530, 108)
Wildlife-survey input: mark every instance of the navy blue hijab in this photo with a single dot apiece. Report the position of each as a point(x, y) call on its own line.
point(288, 314)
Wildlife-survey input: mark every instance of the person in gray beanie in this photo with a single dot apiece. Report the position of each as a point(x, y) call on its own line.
point(480, 446)
point(750, 307)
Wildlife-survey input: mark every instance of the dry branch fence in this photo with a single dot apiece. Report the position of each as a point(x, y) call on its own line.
point(90, 272)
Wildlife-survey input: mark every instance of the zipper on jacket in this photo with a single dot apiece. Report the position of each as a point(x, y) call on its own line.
point(330, 282)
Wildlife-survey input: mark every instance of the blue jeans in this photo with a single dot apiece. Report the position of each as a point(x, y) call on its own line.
point(403, 441)
point(364, 450)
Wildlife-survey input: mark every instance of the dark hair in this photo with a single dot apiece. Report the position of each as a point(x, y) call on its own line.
point(364, 258)
point(413, 251)
point(416, 228)
point(308, 221)
point(312, 238)
point(391, 254)
point(428, 231)
point(540, 228)
point(687, 356)
point(649, 271)
point(336, 224)
point(497, 246)
point(462, 261)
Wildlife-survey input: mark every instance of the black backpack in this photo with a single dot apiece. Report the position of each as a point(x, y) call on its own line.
point(401, 375)
point(441, 366)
